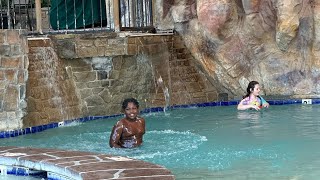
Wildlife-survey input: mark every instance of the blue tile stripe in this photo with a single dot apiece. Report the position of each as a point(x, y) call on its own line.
point(21, 171)
point(35, 129)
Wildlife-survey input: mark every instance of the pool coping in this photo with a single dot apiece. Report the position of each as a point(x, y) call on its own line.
point(40, 128)
point(74, 165)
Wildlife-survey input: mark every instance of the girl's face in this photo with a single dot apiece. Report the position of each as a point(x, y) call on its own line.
point(255, 90)
point(131, 111)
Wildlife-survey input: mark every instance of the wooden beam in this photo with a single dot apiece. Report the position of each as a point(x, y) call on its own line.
point(116, 15)
point(153, 12)
point(38, 16)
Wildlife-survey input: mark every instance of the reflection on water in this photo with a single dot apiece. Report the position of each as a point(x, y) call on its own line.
point(251, 121)
point(249, 115)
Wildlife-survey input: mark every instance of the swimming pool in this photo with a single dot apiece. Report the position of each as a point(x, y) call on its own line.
point(281, 142)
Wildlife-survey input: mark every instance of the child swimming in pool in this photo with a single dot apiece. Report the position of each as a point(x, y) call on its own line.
point(252, 100)
point(128, 132)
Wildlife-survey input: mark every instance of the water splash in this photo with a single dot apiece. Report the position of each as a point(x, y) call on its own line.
point(48, 63)
point(165, 93)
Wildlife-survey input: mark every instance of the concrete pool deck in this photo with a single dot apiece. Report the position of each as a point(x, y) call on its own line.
point(64, 164)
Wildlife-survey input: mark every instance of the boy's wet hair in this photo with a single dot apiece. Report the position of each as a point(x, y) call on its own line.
point(126, 101)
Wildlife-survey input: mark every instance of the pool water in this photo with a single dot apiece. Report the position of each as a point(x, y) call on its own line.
point(282, 142)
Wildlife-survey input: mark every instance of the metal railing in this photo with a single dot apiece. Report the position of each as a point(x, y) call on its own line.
point(16, 14)
point(136, 14)
point(64, 16)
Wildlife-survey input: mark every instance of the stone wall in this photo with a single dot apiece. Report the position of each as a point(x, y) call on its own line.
point(103, 69)
point(45, 80)
point(51, 93)
point(13, 77)
point(79, 75)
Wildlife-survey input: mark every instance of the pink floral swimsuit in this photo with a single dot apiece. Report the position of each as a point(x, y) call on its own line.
point(256, 101)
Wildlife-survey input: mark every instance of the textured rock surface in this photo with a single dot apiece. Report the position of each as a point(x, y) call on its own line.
point(236, 41)
point(13, 76)
point(72, 76)
point(50, 93)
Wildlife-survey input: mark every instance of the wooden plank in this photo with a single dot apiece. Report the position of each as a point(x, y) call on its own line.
point(38, 16)
point(116, 15)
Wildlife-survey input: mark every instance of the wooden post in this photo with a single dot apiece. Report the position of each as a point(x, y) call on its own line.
point(38, 16)
point(132, 16)
point(153, 16)
point(116, 15)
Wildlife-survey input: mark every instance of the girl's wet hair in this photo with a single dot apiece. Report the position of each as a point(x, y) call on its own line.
point(250, 88)
point(132, 100)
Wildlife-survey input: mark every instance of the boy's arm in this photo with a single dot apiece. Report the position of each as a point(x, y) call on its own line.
point(115, 135)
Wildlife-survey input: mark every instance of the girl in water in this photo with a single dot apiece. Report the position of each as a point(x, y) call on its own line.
point(252, 100)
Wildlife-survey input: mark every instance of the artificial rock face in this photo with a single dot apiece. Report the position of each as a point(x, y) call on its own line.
point(235, 41)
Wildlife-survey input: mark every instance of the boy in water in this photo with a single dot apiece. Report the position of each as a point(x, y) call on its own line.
point(128, 132)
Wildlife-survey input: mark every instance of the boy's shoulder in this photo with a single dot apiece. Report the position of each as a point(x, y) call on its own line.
point(120, 122)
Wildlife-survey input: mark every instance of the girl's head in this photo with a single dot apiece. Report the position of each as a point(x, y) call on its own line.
point(253, 88)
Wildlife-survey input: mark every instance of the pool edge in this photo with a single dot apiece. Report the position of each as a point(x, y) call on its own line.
point(66, 164)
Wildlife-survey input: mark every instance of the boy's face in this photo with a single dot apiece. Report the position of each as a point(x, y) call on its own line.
point(131, 111)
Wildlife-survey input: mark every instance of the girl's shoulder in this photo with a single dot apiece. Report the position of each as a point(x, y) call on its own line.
point(246, 98)
point(245, 101)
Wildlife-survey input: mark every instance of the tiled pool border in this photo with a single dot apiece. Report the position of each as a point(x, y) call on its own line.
point(35, 129)
point(57, 164)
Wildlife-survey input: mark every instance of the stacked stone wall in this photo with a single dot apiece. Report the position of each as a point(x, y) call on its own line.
point(80, 75)
point(108, 67)
point(51, 94)
point(188, 82)
point(45, 80)
point(13, 77)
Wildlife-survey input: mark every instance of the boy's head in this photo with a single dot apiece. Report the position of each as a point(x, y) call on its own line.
point(128, 100)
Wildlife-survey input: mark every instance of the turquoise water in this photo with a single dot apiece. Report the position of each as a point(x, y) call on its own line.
point(282, 142)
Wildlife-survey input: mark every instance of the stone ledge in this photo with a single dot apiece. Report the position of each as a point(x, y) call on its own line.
point(81, 165)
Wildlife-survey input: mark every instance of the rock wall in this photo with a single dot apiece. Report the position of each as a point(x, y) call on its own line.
point(50, 93)
point(236, 41)
point(13, 76)
point(81, 75)
point(155, 69)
